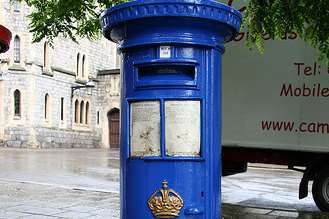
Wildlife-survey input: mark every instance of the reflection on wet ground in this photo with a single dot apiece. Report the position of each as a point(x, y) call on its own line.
point(259, 193)
point(80, 168)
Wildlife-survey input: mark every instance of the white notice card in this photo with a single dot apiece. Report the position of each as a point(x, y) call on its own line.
point(182, 126)
point(165, 52)
point(145, 128)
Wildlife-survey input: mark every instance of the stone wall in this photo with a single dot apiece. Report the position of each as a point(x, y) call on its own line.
point(17, 137)
point(108, 95)
point(59, 138)
point(34, 80)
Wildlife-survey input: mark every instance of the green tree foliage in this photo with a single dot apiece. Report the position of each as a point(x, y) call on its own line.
point(80, 18)
point(308, 18)
point(71, 18)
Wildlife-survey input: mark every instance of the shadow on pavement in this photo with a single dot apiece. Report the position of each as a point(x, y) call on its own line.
point(230, 211)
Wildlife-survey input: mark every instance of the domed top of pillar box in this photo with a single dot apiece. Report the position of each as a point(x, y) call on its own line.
point(5, 38)
point(196, 22)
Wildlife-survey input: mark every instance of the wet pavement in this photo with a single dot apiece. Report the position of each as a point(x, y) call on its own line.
point(267, 186)
point(83, 183)
point(29, 200)
point(89, 169)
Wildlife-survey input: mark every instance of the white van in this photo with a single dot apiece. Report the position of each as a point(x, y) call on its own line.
point(276, 110)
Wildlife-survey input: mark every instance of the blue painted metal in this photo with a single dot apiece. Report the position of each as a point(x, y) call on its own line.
point(195, 30)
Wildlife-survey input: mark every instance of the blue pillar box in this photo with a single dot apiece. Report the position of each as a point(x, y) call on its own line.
point(170, 104)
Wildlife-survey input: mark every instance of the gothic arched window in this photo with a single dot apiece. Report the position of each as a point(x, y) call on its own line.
point(46, 55)
point(83, 66)
point(82, 106)
point(17, 5)
point(78, 64)
point(17, 49)
point(17, 103)
point(76, 111)
point(62, 108)
point(87, 113)
point(46, 113)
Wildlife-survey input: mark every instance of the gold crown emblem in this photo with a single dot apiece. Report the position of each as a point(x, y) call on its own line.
point(165, 203)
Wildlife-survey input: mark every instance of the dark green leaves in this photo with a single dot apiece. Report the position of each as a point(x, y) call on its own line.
point(71, 18)
point(308, 18)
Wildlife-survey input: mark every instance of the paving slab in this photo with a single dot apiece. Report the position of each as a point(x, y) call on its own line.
point(75, 215)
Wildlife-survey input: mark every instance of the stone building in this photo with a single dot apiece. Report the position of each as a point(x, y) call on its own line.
point(43, 99)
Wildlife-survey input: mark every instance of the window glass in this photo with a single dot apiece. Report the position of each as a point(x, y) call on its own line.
point(76, 111)
point(62, 108)
point(45, 55)
point(83, 66)
point(46, 106)
point(17, 102)
point(78, 64)
point(16, 5)
point(17, 50)
point(82, 106)
point(87, 113)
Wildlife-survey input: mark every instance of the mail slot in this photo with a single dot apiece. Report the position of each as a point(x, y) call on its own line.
point(169, 73)
point(171, 105)
point(166, 72)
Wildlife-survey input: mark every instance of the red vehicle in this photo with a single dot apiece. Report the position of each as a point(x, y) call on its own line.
point(5, 38)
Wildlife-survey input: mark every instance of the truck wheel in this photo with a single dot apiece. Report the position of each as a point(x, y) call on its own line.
point(320, 190)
